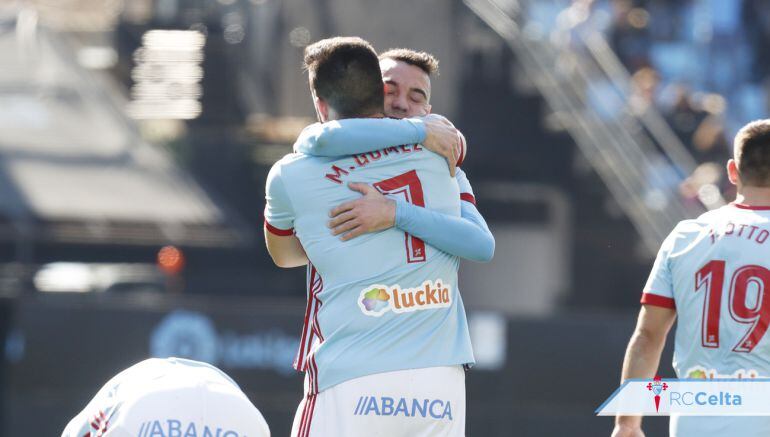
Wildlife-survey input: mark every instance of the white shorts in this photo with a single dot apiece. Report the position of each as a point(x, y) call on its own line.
point(410, 403)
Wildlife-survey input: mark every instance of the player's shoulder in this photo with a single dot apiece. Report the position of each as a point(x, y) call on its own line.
point(291, 163)
point(722, 214)
point(704, 221)
point(419, 153)
point(289, 160)
point(687, 233)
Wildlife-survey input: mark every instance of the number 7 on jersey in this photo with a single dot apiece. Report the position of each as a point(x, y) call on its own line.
point(408, 185)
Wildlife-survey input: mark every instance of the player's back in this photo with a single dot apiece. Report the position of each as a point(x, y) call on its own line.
point(389, 301)
point(719, 266)
point(171, 396)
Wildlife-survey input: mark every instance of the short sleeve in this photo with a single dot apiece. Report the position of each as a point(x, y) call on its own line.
point(279, 214)
point(466, 191)
point(659, 290)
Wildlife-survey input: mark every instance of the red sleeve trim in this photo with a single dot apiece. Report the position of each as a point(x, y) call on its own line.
point(468, 197)
point(658, 300)
point(752, 207)
point(279, 232)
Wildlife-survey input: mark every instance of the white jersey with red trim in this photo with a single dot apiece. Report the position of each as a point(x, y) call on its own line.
point(715, 271)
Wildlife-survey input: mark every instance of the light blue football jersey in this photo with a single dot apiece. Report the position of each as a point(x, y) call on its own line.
point(715, 271)
point(386, 301)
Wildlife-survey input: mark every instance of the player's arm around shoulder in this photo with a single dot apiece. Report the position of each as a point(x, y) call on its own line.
point(352, 136)
point(361, 135)
point(467, 236)
point(283, 246)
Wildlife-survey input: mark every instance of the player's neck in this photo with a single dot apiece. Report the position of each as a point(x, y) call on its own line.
point(376, 115)
point(753, 196)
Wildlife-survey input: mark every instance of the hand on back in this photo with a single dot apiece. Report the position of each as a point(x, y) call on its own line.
point(370, 213)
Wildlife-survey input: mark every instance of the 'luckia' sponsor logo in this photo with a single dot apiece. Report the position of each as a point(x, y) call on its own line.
point(700, 372)
point(376, 300)
point(387, 406)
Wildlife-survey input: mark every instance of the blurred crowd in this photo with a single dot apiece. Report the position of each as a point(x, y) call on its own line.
point(700, 63)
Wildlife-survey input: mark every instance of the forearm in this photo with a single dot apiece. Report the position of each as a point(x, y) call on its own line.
point(642, 356)
point(467, 237)
point(359, 135)
point(641, 362)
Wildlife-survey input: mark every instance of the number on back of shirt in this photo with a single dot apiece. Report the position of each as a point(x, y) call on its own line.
point(748, 302)
point(408, 185)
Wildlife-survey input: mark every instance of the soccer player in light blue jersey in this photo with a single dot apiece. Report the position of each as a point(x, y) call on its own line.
point(407, 75)
point(390, 330)
point(713, 274)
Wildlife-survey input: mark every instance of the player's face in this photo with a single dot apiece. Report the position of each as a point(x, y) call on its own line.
point(407, 89)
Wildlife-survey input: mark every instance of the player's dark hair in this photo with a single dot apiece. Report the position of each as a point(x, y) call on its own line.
point(752, 146)
point(345, 72)
point(422, 60)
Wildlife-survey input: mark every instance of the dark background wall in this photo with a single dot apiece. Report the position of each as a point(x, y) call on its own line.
point(60, 349)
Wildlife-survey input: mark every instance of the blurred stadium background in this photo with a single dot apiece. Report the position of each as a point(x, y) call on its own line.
point(135, 136)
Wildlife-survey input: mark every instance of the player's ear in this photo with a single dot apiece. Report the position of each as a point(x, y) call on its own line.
point(321, 109)
point(428, 108)
point(732, 172)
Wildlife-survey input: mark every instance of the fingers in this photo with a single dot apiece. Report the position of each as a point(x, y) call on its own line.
point(452, 166)
point(344, 227)
point(339, 209)
point(462, 147)
point(438, 118)
point(357, 231)
point(361, 187)
point(342, 218)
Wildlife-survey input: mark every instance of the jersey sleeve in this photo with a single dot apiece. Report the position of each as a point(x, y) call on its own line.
point(467, 236)
point(358, 135)
point(659, 290)
point(279, 214)
point(466, 191)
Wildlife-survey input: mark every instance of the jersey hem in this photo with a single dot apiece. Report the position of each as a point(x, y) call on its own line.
point(322, 387)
